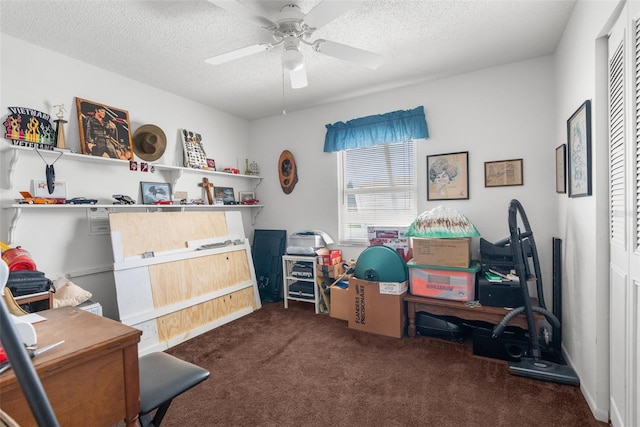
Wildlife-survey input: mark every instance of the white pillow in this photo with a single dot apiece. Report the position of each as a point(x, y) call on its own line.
point(68, 293)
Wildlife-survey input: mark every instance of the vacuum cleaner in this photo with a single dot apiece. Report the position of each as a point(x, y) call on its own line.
point(523, 246)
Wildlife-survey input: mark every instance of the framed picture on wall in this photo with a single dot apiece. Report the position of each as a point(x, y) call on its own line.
point(503, 173)
point(104, 130)
point(579, 151)
point(561, 169)
point(448, 176)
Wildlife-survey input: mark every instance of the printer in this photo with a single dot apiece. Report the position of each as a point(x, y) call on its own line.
point(308, 242)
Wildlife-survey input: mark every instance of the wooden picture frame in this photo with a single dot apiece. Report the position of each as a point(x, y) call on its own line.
point(503, 173)
point(448, 176)
point(579, 151)
point(243, 196)
point(561, 169)
point(155, 192)
point(225, 193)
point(104, 131)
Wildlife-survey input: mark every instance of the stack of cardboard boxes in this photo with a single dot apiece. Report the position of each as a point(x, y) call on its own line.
point(442, 268)
point(329, 269)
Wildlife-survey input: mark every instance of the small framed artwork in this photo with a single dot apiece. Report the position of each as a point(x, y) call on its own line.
point(246, 195)
point(155, 193)
point(448, 176)
point(225, 193)
point(104, 130)
point(503, 173)
point(211, 164)
point(561, 169)
point(579, 151)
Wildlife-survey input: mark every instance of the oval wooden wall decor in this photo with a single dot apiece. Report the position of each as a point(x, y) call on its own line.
point(287, 172)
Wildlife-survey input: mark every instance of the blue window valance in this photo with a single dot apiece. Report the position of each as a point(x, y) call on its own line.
point(396, 126)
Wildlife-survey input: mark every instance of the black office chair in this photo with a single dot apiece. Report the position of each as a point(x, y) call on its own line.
point(162, 378)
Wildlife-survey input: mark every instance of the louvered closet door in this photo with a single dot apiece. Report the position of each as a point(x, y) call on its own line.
point(624, 233)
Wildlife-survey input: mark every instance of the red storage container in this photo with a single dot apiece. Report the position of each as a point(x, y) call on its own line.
point(452, 283)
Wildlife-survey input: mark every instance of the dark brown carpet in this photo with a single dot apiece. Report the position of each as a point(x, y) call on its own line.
point(278, 367)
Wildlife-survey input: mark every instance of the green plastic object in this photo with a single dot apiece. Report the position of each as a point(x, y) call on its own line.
point(381, 264)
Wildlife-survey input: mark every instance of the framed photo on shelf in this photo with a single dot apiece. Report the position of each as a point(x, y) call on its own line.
point(40, 189)
point(104, 130)
point(503, 173)
point(561, 169)
point(579, 151)
point(155, 192)
point(211, 164)
point(225, 193)
point(448, 176)
point(246, 195)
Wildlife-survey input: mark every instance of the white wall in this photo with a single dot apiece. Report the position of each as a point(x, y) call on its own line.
point(583, 222)
point(58, 239)
point(496, 114)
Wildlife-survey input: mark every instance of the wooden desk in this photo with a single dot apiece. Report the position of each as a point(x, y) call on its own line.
point(443, 307)
point(91, 379)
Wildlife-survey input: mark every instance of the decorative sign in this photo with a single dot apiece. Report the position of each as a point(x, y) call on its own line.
point(194, 155)
point(30, 128)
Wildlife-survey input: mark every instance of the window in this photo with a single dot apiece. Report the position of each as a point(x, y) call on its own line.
point(377, 187)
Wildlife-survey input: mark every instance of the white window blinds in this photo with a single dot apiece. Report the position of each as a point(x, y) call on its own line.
point(378, 187)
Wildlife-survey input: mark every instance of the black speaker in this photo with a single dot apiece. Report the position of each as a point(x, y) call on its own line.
point(511, 345)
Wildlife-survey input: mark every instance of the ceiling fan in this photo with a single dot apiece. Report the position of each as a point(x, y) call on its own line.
point(291, 29)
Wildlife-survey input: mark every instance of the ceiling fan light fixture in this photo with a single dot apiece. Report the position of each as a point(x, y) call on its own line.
point(292, 59)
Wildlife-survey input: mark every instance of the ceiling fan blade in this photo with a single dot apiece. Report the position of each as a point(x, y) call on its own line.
point(244, 12)
point(349, 53)
point(298, 78)
point(238, 53)
point(326, 11)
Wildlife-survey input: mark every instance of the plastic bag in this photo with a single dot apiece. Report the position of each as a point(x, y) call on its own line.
point(442, 222)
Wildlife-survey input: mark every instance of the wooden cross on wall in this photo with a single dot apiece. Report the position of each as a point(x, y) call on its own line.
point(207, 186)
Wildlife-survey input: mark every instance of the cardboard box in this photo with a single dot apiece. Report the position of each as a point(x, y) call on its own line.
point(393, 237)
point(334, 257)
point(452, 283)
point(331, 271)
point(399, 245)
point(375, 312)
point(340, 301)
point(442, 252)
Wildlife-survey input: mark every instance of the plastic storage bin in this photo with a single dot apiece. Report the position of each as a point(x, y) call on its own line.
point(452, 283)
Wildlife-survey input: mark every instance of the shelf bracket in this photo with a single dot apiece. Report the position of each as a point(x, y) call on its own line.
point(12, 168)
point(255, 214)
point(12, 226)
point(256, 186)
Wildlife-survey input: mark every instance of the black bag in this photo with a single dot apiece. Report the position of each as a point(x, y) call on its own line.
point(27, 282)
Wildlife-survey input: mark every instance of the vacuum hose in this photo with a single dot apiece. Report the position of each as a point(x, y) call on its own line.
point(500, 327)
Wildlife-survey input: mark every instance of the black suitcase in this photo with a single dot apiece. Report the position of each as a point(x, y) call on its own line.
point(446, 327)
point(27, 282)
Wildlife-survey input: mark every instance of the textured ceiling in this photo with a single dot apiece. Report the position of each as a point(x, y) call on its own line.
point(164, 44)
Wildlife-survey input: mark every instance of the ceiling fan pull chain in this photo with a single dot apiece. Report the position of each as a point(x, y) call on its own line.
point(284, 111)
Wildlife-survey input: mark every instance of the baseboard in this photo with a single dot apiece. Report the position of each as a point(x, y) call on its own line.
point(600, 414)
